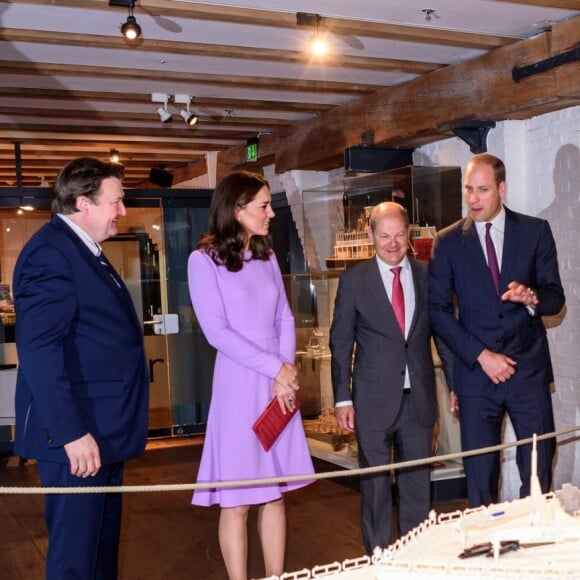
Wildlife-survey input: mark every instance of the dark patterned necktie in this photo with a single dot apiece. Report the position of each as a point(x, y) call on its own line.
point(110, 270)
point(492, 258)
point(397, 298)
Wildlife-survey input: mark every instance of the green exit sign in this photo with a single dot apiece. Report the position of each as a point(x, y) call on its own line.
point(252, 151)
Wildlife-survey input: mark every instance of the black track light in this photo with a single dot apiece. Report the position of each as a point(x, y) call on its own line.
point(129, 29)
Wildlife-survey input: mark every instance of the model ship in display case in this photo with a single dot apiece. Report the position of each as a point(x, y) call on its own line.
point(336, 215)
point(325, 428)
point(353, 246)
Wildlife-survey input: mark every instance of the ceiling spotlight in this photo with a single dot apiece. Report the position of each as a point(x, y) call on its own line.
point(114, 158)
point(129, 29)
point(190, 118)
point(163, 113)
point(317, 45)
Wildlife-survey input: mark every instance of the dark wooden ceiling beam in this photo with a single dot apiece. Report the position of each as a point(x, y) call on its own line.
point(566, 37)
point(412, 113)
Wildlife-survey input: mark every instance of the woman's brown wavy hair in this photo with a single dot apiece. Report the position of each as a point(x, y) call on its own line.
point(225, 241)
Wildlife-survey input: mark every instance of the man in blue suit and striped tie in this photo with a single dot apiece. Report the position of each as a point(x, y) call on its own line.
point(82, 388)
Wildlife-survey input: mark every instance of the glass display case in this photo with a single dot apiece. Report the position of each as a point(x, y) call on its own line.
point(336, 215)
point(335, 237)
point(311, 298)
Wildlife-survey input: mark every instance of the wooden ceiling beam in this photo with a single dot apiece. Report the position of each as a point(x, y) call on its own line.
point(57, 147)
point(86, 132)
point(420, 34)
point(190, 171)
point(215, 51)
point(89, 115)
point(563, 4)
point(140, 98)
point(413, 112)
point(564, 38)
point(9, 67)
point(277, 19)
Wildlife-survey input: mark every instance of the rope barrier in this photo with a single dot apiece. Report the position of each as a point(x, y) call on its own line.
point(274, 480)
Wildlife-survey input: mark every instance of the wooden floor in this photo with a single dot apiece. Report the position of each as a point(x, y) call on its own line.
point(164, 537)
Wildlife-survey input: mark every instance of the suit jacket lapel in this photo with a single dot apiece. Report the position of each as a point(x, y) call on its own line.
point(377, 295)
point(116, 282)
point(419, 285)
point(120, 292)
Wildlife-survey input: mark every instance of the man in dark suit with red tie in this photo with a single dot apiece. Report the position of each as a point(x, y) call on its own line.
point(388, 395)
point(82, 389)
point(502, 268)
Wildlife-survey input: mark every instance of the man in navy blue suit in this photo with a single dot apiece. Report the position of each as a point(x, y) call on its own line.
point(502, 268)
point(82, 387)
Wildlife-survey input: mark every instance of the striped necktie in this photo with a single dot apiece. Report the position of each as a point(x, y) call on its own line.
point(110, 270)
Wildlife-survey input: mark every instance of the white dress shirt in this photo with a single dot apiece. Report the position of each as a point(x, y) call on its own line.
point(85, 238)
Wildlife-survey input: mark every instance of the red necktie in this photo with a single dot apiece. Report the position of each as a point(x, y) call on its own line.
point(397, 298)
point(491, 258)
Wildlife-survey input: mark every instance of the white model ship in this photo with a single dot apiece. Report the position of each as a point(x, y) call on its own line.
point(355, 245)
point(537, 537)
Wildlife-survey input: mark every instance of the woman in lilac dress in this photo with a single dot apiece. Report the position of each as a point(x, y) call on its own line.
point(238, 296)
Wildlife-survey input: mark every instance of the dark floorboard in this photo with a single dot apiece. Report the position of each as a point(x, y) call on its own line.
point(165, 537)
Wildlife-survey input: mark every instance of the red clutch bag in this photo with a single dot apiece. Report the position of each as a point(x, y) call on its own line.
point(271, 422)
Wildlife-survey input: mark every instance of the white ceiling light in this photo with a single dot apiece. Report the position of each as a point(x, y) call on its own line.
point(317, 44)
point(114, 156)
point(163, 113)
point(189, 117)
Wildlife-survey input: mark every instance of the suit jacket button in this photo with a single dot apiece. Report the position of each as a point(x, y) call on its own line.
point(498, 341)
point(406, 345)
point(47, 435)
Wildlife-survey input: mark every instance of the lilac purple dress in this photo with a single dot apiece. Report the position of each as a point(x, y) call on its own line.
point(245, 316)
